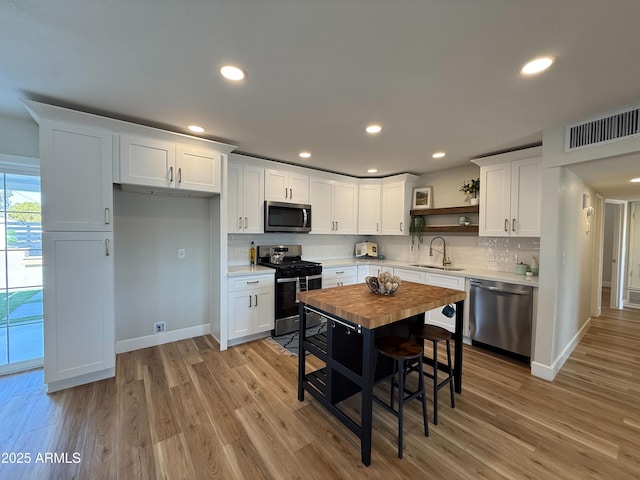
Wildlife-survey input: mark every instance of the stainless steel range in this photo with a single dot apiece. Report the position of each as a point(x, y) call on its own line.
point(293, 275)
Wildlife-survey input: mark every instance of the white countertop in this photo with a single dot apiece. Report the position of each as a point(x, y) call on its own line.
point(465, 272)
point(233, 271)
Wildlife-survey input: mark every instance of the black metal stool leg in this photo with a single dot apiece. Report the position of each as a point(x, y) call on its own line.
point(435, 382)
point(425, 420)
point(400, 405)
point(453, 402)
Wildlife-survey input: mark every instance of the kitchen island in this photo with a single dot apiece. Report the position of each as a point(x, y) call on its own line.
point(354, 317)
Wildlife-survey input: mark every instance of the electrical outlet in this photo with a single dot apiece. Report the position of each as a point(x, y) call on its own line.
point(236, 253)
point(159, 327)
point(182, 253)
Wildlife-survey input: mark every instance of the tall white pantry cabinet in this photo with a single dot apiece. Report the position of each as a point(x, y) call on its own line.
point(77, 202)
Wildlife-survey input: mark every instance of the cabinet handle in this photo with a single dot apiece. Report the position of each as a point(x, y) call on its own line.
point(107, 248)
point(336, 226)
point(180, 175)
point(506, 224)
point(250, 301)
point(239, 223)
point(401, 226)
point(286, 192)
point(377, 226)
point(513, 225)
point(256, 303)
point(171, 174)
point(340, 273)
point(255, 281)
point(107, 220)
point(245, 222)
point(290, 194)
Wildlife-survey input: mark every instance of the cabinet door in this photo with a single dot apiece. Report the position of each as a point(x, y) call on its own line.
point(410, 275)
point(435, 316)
point(369, 209)
point(79, 331)
point(198, 169)
point(298, 188)
point(253, 199)
point(526, 198)
point(76, 171)
point(276, 185)
point(240, 314)
point(147, 161)
point(235, 214)
point(495, 200)
point(263, 310)
point(321, 196)
point(345, 207)
point(393, 209)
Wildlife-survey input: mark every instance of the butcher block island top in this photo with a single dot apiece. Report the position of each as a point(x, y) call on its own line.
point(357, 304)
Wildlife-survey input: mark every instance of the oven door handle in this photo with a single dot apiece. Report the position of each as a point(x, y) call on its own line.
point(286, 280)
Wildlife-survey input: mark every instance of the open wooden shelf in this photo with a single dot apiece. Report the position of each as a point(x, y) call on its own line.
point(452, 229)
point(446, 210)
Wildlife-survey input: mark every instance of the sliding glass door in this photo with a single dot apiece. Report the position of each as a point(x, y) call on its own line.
point(21, 319)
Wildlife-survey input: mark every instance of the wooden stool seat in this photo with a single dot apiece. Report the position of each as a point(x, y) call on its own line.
point(430, 332)
point(402, 350)
point(398, 347)
point(435, 334)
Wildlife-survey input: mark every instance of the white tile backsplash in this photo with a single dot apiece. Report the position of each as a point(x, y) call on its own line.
point(487, 253)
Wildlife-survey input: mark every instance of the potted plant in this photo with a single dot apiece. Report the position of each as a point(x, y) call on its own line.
point(416, 229)
point(471, 189)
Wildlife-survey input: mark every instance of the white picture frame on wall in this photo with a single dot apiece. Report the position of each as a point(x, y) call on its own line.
point(422, 198)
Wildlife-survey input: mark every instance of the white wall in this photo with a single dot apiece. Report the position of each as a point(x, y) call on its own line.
point(446, 184)
point(152, 284)
point(19, 137)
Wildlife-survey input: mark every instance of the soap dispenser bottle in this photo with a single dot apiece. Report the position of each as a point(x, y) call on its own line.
point(534, 266)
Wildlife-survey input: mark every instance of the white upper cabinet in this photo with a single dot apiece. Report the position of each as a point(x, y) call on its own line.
point(395, 206)
point(162, 163)
point(246, 199)
point(76, 170)
point(286, 186)
point(335, 206)
point(510, 199)
point(369, 209)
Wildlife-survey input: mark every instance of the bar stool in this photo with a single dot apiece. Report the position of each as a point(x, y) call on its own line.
point(402, 350)
point(435, 334)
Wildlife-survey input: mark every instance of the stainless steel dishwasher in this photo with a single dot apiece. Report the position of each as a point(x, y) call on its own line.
point(500, 315)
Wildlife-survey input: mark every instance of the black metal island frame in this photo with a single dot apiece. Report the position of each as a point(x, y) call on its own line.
point(355, 316)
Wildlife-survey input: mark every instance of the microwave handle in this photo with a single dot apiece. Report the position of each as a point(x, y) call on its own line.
point(304, 217)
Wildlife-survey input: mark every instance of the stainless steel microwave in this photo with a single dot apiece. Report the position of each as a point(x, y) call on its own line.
point(287, 217)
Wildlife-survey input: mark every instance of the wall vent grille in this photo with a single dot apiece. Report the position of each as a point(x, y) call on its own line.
point(634, 298)
point(604, 129)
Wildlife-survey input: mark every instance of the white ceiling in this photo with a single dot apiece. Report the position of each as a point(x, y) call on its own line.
point(437, 74)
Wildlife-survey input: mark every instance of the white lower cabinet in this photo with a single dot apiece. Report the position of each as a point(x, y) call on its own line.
point(79, 327)
point(339, 276)
point(435, 316)
point(369, 271)
point(405, 274)
point(251, 305)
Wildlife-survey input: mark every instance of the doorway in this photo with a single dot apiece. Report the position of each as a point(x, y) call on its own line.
point(21, 312)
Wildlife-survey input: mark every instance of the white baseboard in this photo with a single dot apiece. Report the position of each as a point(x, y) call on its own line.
point(81, 380)
point(162, 338)
point(248, 338)
point(549, 372)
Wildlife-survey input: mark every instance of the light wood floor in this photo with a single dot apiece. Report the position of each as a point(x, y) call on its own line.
point(186, 410)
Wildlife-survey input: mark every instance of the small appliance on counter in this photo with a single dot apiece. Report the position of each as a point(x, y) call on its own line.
point(366, 250)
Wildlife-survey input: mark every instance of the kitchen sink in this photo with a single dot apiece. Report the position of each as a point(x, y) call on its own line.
point(437, 267)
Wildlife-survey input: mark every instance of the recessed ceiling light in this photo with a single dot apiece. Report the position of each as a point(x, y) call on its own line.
point(438, 155)
point(231, 72)
point(373, 129)
point(304, 154)
point(196, 128)
point(536, 65)
point(636, 180)
point(372, 170)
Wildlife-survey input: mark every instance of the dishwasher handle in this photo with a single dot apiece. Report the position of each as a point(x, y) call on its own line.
point(502, 288)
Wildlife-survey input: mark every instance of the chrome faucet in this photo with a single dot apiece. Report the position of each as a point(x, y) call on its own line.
point(445, 260)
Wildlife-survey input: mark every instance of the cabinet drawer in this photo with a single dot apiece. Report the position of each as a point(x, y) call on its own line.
point(446, 281)
point(329, 273)
point(410, 275)
point(338, 282)
point(250, 282)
